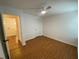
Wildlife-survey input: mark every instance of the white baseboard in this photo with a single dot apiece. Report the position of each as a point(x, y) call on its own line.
point(32, 37)
point(29, 38)
point(66, 42)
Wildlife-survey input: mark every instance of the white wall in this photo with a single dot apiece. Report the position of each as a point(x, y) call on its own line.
point(31, 26)
point(1, 52)
point(62, 27)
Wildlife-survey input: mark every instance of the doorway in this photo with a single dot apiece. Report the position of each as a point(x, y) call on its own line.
point(11, 26)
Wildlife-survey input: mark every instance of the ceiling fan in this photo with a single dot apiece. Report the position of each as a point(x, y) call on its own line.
point(45, 9)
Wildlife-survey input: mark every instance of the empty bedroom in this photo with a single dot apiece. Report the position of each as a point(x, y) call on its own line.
point(38, 29)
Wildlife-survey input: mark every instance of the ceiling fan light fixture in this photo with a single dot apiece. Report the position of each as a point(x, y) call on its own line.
point(43, 12)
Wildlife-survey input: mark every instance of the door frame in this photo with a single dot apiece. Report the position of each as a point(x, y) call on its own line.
point(18, 21)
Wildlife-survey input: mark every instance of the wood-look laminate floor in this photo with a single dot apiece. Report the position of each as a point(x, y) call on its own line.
point(43, 48)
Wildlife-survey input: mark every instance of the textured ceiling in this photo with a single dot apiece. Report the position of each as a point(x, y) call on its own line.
point(35, 6)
